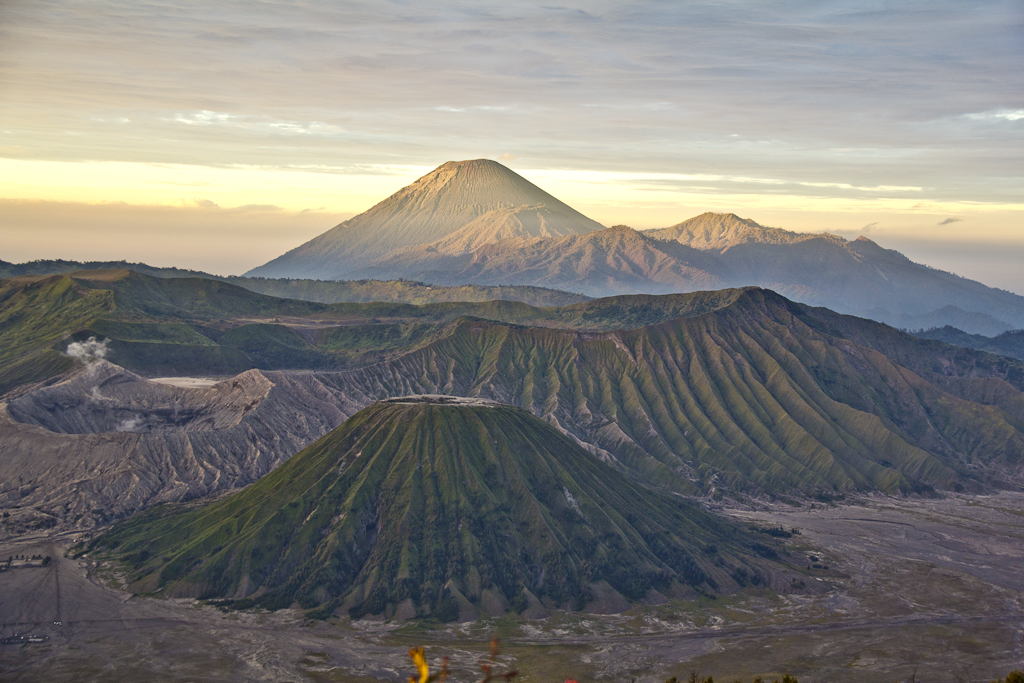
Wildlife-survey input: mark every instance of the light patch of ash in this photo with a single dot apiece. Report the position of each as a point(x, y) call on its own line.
point(573, 503)
point(444, 400)
point(129, 424)
point(186, 382)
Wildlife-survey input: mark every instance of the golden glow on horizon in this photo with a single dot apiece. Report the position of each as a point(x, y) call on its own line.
point(230, 219)
point(102, 182)
point(640, 200)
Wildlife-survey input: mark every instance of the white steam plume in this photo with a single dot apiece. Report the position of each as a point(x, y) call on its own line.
point(88, 351)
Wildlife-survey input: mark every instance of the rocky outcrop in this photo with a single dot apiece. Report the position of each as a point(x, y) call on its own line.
point(107, 398)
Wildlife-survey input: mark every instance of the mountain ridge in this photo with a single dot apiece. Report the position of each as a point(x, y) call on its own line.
point(618, 260)
point(318, 291)
point(733, 393)
point(857, 277)
point(708, 251)
point(719, 231)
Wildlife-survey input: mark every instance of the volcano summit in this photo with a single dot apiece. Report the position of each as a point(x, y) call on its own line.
point(454, 208)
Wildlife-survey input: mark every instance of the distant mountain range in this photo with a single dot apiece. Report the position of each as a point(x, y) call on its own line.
point(320, 291)
point(477, 222)
point(1006, 344)
point(476, 231)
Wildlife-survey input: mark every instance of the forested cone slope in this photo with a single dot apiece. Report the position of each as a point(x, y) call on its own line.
point(424, 507)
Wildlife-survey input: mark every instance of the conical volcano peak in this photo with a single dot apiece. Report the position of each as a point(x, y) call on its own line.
point(478, 167)
point(459, 187)
point(479, 198)
point(437, 506)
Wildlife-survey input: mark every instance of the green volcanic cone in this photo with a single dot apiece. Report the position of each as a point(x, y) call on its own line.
point(442, 507)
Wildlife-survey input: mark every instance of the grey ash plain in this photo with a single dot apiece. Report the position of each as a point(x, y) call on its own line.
point(925, 587)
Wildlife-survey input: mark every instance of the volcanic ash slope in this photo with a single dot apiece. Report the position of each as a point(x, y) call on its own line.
point(105, 442)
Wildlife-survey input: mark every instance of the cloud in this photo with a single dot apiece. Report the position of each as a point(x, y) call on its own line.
point(878, 188)
point(204, 118)
point(846, 89)
point(205, 204)
point(507, 157)
point(954, 219)
point(257, 208)
point(1006, 115)
point(869, 227)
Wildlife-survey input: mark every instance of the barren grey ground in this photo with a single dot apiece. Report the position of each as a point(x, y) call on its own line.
point(926, 586)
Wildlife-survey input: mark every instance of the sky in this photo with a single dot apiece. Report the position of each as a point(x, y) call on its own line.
point(217, 135)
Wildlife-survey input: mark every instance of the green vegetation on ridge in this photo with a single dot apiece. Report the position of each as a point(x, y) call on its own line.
point(747, 398)
point(732, 392)
point(321, 291)
point(201, 326)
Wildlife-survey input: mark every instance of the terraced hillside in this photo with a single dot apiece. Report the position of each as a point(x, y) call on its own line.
point(754, 396)
point(429, 506)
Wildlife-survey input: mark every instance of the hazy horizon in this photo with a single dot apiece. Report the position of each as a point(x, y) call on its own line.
point(219, 136)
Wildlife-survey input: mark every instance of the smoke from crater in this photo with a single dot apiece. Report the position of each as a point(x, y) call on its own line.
point(87, 351)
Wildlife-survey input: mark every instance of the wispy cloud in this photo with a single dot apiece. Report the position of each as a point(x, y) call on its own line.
point(954, 219)
point(258, 207)
point(866, 94)
point(1006, 115)
point(204, 118)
